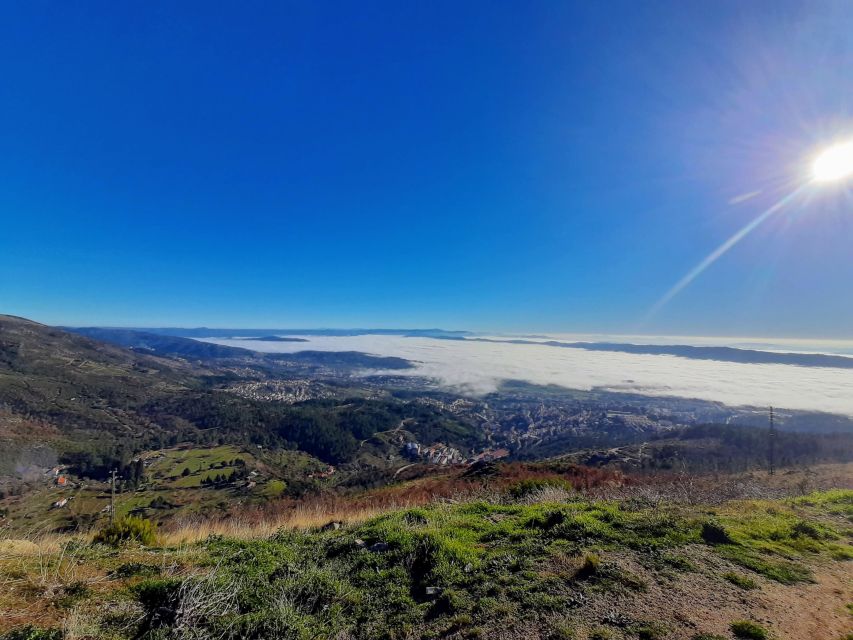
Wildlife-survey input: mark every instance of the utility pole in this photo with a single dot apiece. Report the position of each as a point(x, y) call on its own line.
point(113, 496)
point(772, 436)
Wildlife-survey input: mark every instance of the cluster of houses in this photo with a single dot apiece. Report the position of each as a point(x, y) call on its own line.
point(442, 454)
point(433, 454)
point(330, 471)
point(490, 455)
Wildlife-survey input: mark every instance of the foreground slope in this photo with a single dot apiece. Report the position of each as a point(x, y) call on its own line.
point(538, 561)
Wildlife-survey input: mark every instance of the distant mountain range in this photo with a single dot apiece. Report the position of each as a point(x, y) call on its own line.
point(720, 354)
point(170, 346)
point(178, 341)
point(205, 332)
point(160, 344)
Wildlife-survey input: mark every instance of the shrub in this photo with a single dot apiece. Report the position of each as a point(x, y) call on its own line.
point(591, 565)
point(714, 533)
point(749, 630)
point(739, 580)
point(130, 529)
point(159, 600)
point(548, 521)
point(803, 529)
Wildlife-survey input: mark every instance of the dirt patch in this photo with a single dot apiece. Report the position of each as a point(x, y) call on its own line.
point(691, 602)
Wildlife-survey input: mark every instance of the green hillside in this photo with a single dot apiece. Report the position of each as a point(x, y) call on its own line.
point(94, 406)
point(545, 563)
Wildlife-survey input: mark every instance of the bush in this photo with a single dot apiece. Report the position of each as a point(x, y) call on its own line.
point(749, 630)
point(159, 600)
point(591, 565)
point(130, 529)
point(548, 521)
point(804, 529)
point(714, 533)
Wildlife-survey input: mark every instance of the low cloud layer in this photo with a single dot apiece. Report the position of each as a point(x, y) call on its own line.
point(480, 367)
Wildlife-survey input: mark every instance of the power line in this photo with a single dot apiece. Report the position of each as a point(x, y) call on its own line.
point(772, 443)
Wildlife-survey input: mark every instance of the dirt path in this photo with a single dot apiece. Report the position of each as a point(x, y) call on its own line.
point(702, 602)
point(815, 611)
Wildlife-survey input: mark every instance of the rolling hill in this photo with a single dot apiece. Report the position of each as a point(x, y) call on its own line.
point(96, 404)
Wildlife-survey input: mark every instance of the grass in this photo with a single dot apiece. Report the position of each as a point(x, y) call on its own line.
point(173, 461)
point(427, 571)
point(740, 580)
point(749, 630)
point(773, 538)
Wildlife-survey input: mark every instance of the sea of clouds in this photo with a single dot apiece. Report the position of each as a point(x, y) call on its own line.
point(480, 367)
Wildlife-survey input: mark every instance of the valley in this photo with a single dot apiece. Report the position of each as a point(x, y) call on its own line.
point(249, 480)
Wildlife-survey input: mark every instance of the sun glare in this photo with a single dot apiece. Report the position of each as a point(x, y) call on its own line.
point(835, 163)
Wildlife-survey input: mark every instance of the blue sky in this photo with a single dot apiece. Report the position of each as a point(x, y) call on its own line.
point(519, 166)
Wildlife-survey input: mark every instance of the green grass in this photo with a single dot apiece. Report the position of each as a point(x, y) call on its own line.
point(174, 461)
point(749, 630)
point(834, 501)
point(448, 569)
point(782, 571)
point(740, 580)
point(274, 488)
point(773, 539)
point(481, 560)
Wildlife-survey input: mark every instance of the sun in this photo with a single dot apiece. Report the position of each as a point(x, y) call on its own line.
point(834, 163)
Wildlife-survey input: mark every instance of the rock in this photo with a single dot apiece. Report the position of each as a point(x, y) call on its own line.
point(361, 544)
point(379, 547)
point(331, 526)
point(433, 591)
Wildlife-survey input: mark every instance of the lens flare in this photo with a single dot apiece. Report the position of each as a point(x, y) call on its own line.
point(835, 163)
point(720, 251)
